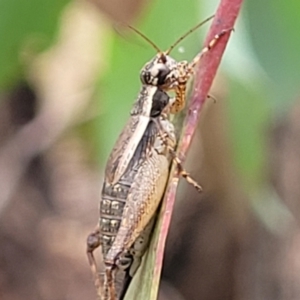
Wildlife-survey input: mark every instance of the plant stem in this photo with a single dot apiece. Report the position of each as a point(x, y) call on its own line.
point(224, 19)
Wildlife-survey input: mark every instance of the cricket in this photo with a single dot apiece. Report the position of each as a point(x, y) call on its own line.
point(137, 170)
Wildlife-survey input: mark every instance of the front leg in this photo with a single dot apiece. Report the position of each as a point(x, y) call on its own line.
point(185, 71)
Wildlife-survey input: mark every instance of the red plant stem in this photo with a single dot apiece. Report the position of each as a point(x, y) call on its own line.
point(207, 68)
point(224, 19)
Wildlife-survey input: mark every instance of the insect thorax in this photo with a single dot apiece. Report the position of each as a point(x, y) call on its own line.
point(150, 102)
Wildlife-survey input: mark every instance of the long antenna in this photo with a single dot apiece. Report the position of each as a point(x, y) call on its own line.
point(188, 33)
point(145, 38)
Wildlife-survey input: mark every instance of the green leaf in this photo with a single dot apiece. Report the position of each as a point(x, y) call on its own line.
point(273, 26)
point(25, 26)
point(248, 117)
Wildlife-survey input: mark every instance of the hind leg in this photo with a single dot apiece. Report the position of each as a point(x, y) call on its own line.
point(93, 242)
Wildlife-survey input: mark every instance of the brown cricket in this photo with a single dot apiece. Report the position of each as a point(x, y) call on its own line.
point(137, 171)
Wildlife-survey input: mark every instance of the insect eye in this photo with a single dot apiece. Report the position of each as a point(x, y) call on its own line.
point(146, 77)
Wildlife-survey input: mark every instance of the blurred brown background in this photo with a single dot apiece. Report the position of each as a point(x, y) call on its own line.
point(67, 81)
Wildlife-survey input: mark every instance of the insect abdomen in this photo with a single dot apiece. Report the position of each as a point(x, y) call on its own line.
point(112, 204)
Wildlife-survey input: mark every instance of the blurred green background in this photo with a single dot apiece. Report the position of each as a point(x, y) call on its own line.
point(69, 73)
